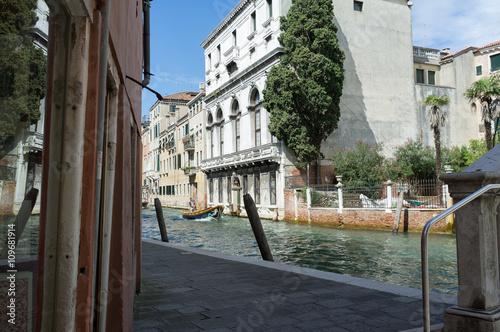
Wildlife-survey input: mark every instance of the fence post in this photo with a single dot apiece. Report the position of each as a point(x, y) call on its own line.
point(389, 196)
point(341, 197)
point(295, 204)
point(308, 195)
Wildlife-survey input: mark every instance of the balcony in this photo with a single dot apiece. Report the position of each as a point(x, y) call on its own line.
point(188, 142)
point(426, 55)
point(152, 175)
point(190, 170)
point(34, 142)
point(232, 54)
point(264, 153)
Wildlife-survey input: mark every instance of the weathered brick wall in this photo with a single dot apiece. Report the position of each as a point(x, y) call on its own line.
point(411, 220)
point(7, 194)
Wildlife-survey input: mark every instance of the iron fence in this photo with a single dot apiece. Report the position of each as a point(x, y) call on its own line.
point(418, 194)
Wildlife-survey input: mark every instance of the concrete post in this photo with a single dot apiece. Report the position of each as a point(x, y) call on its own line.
point(389, 196)
point(308, 196)
point(340, 195)
point(477, 229)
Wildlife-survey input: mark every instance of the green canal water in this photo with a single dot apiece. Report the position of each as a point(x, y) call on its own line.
point(369, 254)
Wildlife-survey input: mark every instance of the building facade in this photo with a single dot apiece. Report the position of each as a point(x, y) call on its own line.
point(441, 73)
point(176, 136)
point(241, 155)
point(146, 165)
point(376, 39)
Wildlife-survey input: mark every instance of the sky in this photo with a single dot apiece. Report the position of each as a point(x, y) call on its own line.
point(179, 27)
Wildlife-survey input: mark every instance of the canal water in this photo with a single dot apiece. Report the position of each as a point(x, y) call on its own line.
point(369, 254)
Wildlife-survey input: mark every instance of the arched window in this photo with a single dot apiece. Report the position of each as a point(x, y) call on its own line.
point(220, 119)
point(254, 101)
point(210, 122)
point(235, 111)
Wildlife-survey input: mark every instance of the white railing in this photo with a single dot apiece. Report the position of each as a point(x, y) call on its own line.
point(265, 152)
point(424, 249)
point(426, 53)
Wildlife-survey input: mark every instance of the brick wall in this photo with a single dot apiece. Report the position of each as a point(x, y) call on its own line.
point(411, 220)
point(7, 193)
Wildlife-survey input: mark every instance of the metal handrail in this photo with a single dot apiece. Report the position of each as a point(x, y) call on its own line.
point(424, 251)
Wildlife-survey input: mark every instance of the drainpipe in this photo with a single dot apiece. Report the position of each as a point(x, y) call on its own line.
point(146, 43)
point(103, 71)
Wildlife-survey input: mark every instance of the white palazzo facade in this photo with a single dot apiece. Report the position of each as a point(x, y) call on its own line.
point(241, 155)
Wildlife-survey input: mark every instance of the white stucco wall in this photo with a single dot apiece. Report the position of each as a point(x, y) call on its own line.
point(378, 102)
point(460, 73)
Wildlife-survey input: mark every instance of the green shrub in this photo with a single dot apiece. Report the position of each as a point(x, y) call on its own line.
point(315, 196)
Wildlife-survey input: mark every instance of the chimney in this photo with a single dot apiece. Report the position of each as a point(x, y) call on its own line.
point(202, 87)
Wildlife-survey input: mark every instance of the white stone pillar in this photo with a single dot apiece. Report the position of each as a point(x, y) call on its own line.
point(389, 196)
point(478, 234)
point(340, 194)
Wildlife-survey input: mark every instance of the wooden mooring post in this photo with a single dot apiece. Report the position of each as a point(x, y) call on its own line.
point(21, 220)
point(161, 221)
point(258, 231)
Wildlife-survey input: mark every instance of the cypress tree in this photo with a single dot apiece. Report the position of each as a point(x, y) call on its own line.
point(303, 91)
point(22, 68)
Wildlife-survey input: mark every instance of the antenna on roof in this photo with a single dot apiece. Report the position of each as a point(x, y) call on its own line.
point(425, 37)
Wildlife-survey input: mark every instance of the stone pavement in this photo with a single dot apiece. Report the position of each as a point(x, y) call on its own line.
point(186, 289)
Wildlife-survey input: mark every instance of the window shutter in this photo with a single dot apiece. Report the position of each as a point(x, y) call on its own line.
point(495, 62)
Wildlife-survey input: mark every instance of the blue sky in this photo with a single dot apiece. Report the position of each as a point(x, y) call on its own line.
point(179, 27)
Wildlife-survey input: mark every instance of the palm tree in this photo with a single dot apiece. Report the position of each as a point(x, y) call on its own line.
point(487, 92)
point(437, 118)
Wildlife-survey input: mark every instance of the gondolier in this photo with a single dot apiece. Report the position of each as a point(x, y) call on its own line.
point(192, 205)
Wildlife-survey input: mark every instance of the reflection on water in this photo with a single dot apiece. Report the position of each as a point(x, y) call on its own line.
point(377, 255)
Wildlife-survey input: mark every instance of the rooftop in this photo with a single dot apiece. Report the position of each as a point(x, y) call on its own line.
point(185, 96)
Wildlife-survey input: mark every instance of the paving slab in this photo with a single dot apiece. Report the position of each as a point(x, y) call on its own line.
point(188, 289)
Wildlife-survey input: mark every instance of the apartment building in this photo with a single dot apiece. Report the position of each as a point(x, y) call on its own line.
point(241, 155)
point(444, 73)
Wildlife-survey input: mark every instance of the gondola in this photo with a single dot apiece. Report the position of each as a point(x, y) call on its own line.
point(212, 212)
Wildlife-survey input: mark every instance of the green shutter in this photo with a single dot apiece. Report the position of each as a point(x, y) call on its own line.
point(495, 62)
point(179, 161)
point(479, 70)
point(420, 76)
point(431, 75)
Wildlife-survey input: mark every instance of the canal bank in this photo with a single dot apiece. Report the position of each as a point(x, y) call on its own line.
point(368, 254)
point(188, 289)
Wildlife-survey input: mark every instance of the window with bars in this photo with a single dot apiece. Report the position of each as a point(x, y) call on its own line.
point(257, 188)
point(272, 187)
point(245, 184)
point(220, 190)
point(228, 185)
point(211, 190)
